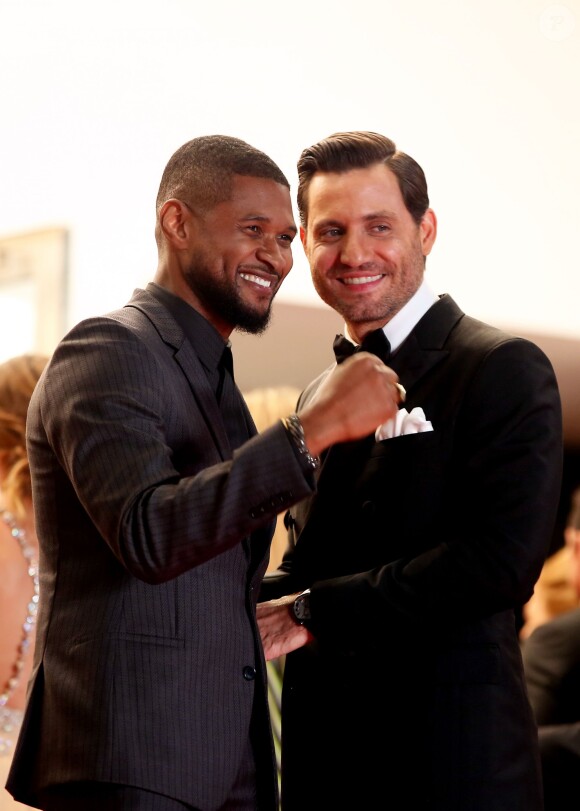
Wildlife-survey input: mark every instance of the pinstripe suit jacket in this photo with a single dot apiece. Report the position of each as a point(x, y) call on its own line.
point(153, 540)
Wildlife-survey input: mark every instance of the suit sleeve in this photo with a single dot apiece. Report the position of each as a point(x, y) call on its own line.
point(142, 460)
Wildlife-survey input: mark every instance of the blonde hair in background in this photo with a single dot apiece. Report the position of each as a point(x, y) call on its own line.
point(18, 378)
point(267, 405)
point(270, 404)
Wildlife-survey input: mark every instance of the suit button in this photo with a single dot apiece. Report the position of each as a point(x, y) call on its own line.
point(249, 673)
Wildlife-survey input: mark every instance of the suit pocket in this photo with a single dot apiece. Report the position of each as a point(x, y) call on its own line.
point(406, 444)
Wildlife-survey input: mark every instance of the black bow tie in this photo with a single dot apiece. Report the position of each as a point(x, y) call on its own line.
point(375, 342)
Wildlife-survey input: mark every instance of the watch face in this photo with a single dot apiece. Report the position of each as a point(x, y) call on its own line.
point(302, 608)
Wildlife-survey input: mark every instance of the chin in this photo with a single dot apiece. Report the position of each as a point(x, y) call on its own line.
point(254, 322)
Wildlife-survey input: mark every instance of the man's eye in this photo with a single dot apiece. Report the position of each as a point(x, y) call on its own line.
point(287, 238)
point(330, 233)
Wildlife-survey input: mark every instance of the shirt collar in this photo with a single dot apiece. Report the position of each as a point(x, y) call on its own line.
point(203, 336)
point(401, 324)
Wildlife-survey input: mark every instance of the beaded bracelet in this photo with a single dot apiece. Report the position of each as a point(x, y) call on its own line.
point(295, 431)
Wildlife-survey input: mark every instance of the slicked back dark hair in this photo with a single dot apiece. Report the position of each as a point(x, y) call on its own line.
point(344, 151)
point(201, 172)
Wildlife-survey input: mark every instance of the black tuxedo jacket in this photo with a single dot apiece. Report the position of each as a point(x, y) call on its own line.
point(154, 539)
point(417, 550)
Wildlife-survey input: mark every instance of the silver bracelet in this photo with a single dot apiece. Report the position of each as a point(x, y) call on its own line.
point(295, 431)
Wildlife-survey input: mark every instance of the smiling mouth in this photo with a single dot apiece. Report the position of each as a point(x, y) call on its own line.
point(250, 277)
point(361, 279)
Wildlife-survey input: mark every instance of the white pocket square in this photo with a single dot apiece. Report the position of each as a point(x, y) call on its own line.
point(404, 423)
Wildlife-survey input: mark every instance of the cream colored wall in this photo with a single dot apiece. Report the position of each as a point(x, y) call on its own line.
point(96, 97)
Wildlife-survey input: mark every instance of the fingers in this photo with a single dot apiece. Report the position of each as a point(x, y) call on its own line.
point(401, 391)
point(359, 394)
point(401, 394)
point(280, 633)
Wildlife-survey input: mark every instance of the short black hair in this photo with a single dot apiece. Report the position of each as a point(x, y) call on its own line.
point(200, 173)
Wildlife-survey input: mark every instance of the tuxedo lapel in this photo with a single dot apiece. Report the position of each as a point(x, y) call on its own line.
point(419, 354)
point(424, 348)
point(413, 361)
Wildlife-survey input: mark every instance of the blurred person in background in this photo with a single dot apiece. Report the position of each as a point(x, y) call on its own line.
point(18, 555)
point(551, 655)
point(267, 405)
point(556, 590)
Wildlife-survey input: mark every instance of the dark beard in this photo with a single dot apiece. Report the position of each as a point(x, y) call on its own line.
point(226, 301)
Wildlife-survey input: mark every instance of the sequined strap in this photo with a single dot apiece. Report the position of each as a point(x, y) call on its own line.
point(10, 723)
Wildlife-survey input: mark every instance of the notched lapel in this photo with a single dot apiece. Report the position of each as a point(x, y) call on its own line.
point(424, 349)
point(189, 364)
point(413, 361)
point(204, 396)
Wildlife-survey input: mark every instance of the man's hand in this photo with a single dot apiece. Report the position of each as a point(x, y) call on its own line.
point(357, 396)
point(279, 630)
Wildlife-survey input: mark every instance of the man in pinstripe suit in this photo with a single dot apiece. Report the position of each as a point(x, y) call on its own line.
point(155, 504)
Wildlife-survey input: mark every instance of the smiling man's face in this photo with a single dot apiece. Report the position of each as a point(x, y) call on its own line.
point(366, 253)
point(241, 253)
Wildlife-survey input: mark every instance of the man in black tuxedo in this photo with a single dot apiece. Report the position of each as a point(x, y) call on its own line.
point(407, 564)
point(155, 504)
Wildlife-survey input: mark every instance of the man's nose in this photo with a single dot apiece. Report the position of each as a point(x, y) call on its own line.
point(274, 254)
point(354, 250)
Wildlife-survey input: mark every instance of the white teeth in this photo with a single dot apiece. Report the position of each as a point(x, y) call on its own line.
point(249, 277)
point(362, 279)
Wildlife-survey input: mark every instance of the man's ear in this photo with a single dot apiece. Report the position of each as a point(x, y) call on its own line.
point(303, 237)
point(175, 223)
point(428, 231)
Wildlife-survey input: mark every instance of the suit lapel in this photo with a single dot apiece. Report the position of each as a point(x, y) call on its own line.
point(419, 354)
point(413, 361)
point(189, 364)
point(424, 348)
point(204, 396)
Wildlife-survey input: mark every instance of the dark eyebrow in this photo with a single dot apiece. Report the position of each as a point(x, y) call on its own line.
point(375, 215)
point(329, 222)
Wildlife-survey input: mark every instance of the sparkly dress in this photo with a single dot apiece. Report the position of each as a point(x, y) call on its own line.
point(11, 718)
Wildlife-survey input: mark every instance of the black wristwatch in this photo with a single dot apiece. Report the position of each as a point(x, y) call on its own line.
point(301, 607)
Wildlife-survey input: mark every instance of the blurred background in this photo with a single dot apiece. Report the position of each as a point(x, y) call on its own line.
point(484, 95)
